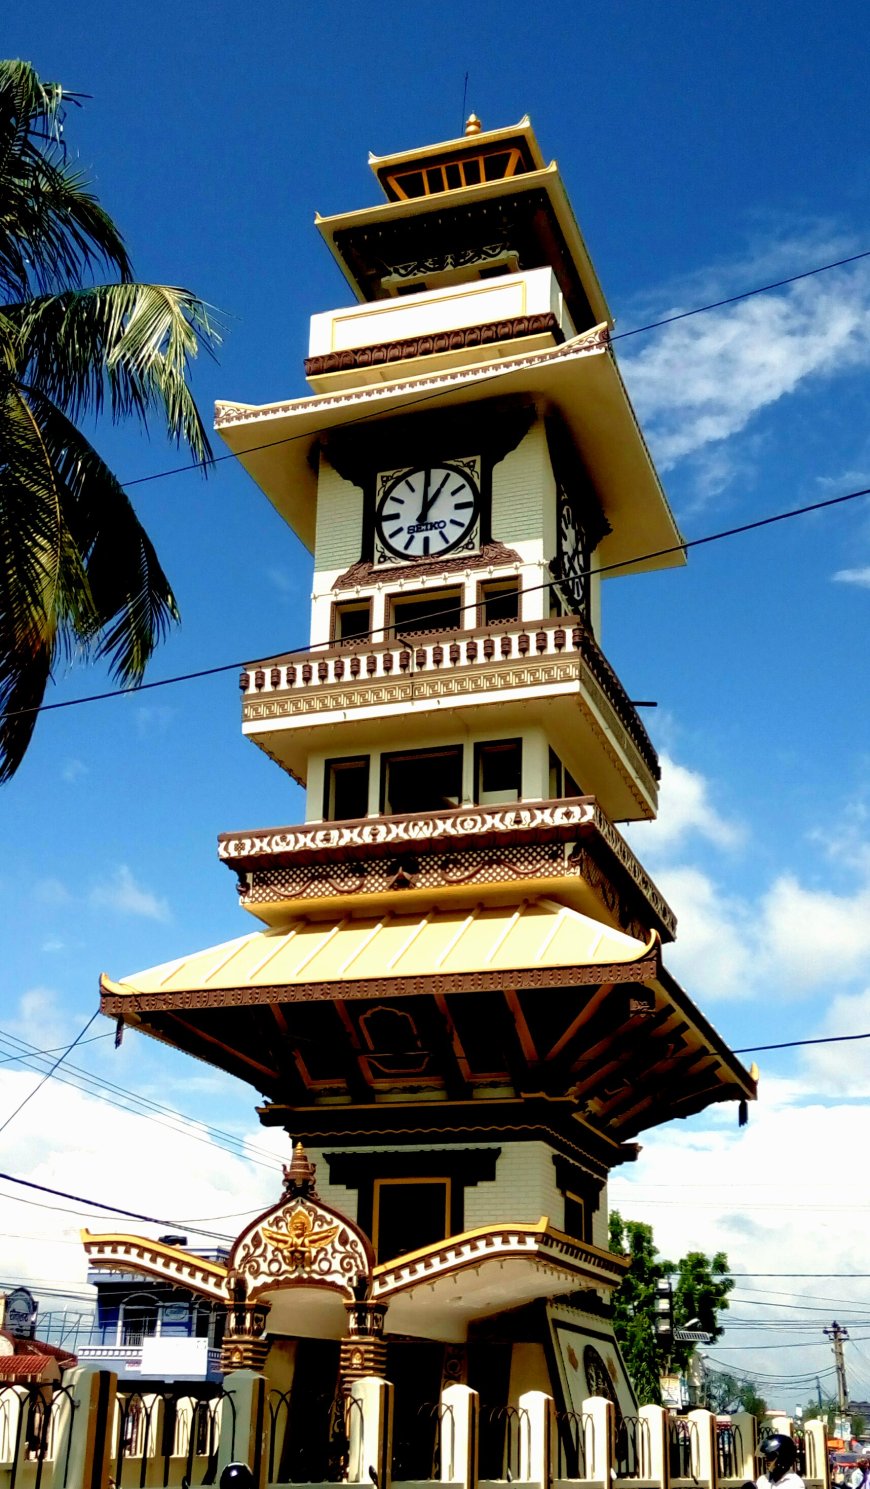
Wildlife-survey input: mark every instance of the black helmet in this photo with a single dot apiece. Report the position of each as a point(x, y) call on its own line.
point(237, 1476)
point(779, 1453)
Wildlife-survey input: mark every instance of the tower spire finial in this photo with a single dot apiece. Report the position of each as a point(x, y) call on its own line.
point(473, 125)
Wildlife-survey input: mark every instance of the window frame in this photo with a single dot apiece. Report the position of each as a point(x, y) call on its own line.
point(404, 1181)
point(487, 588)
point(399, 597)
point(343, 607)
point(328, 768)
point(387, 757)
point(480, 747)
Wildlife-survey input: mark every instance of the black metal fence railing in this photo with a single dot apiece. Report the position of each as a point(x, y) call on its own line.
point(189, 1428)
point(309, 1442)
point(729, 1451)
point(504, 1431)
point(573, 1447)
point(417, 1445)
point(32, 1419)
point(683, 1449)
point(631, 1448)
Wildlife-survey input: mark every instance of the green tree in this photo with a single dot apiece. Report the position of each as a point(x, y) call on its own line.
point(700, 1295)
point(79, 576)
point(727, 1393)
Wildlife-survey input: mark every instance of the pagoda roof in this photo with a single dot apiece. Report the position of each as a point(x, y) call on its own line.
point(523, 1003)
point(274, 442)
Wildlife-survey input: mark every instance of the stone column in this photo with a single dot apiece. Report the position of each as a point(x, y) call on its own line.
point(535, 1437)
point(707, 1464)
point(654, 1447)
point(370, 1432)
point(460, 1423)
point(92, 1451)
point(243, 1424)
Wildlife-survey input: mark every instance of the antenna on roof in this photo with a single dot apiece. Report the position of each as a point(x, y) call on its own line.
point(464, 102)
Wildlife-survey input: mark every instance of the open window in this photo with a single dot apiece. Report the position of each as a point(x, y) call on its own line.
point(562, 783)
point(498, 771)
point(575, 1217)
point(346, 788)
point(421, 780)
point(352, 621)
point(498, 601)
point(428, 610)
point(408, 1214)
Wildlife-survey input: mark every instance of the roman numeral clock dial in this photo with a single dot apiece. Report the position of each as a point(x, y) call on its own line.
point(428, 511)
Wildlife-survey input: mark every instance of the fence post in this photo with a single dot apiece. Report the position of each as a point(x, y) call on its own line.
point(705, 1426)
point(745, 1429)
point(600, 1413)
point(653, 1447)
point(460, 1420)
point(370, 1431)
point(92, 1451)
point(816, 1445)
point(155, 1417)
point(535, 1437)
point(243, 1424)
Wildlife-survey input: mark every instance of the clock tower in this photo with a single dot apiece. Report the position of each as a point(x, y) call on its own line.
point(453, 993)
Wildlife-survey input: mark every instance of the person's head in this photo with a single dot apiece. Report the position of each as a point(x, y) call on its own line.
point(779, 1454)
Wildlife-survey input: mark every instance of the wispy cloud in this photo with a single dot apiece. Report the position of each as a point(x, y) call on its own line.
point(153, 718)
point(282, 581)
point(73, 770)
point(699, 382)
point(861, 577)
point(122, 893)
point(685, 810)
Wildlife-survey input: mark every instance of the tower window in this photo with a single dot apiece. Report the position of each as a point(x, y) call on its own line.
point(421, 780)
point(429, 610)
point(352, 621)
point(409, 1214)
point(575, 1217)
point(499, 600)
point(346, 788)
point(498, 771)
point(562, 783)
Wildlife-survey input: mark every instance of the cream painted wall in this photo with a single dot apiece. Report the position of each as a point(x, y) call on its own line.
point(524, 1188)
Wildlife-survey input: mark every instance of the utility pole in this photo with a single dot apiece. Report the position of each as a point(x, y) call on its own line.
point(836, 1333)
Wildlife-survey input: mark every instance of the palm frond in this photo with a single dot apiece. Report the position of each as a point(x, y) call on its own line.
point(130, 344)
point(44, 590)
point(53, 231)
point(131, 603)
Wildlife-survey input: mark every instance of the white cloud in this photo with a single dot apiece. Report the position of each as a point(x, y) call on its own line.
point(283, 582)
point(72, 770)
point(685, 809)
point(700, 381)
point(122, 893)
point(860, 577)
point(52, 892)
point(68, 1140)
point(763, 1194)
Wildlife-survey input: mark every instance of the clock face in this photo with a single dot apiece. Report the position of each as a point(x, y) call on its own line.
point(573, 550)
point(428, 511)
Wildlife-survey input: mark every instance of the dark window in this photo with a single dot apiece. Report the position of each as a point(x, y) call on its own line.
point(346, 788)
point(437, 610)
point(575, 1217)
point(571, 787)
point(421, 780)
point(472, 171)
point(452, 175)
point(352, 622)
point(409, 1213)
point(562, 783)
point(498, 770)
point(499, 601)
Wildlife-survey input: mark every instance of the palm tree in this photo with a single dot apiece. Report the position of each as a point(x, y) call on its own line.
point(78, 573)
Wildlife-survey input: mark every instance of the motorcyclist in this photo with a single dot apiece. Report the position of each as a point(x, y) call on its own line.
point(780, 1457)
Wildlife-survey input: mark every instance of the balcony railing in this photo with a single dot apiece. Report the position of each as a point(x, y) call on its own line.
point(509, 654)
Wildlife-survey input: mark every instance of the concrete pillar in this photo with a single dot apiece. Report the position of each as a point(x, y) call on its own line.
point(156, 1416)
point(706, 1467)
point(745, 1430)
point(536, 1437)
point(243, 1424)
point(460, 1424)
point(816, 1447)
point(653, 1445)
point(599, 1463)
point(92, 1451)
point(370, 1432)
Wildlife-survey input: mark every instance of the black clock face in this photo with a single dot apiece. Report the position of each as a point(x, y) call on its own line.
point(573, 552)
point(429, 511)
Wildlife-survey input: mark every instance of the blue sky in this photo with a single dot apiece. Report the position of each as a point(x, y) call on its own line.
point(706, 149)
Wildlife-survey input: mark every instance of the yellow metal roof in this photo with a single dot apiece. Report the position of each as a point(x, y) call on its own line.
point(539, 933)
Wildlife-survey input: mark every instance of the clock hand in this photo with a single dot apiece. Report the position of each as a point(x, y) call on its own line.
point(425, 507)
point(430, 502)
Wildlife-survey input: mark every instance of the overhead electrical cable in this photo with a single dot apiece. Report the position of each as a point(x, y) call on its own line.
point(39, 1085)
point(310, 647)
point(102, 1205)
point(668, 320)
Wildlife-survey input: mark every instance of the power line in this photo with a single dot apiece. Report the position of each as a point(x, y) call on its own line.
point(49, 1073)
point(310, 647)
point(409, 403)
point(95, 1204)
point(239, 1146)
point(793, 1044)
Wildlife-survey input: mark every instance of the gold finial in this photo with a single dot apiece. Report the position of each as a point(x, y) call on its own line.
point(473, 125)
